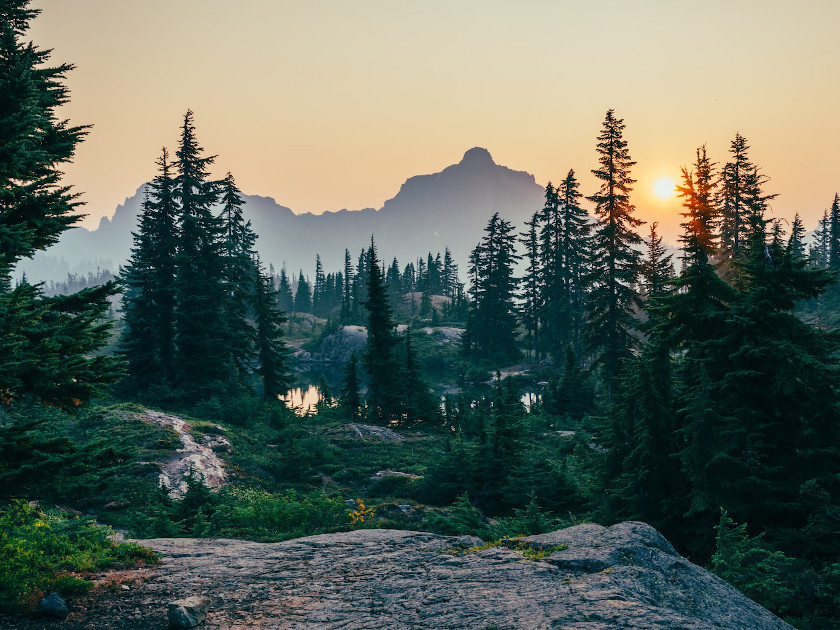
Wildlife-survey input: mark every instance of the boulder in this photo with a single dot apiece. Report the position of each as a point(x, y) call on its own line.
point(52, 606)
point(188, 612)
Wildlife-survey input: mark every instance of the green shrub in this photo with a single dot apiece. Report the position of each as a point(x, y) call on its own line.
point(52, 551)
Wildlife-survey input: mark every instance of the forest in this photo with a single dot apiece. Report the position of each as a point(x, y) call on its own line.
point(578, 371)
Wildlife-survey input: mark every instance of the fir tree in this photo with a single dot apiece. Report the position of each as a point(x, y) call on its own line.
point(532, 286)
point(303, 295)
point(614, 261)
point(240, 283)
point(656, 269)
point(47, 345)
point(380, 361)
point(201, 353)
point(270, 350)
point(350, 397)
point(491, 327)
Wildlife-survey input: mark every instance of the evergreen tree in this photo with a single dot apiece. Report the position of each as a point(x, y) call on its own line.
point(284, 292)
point(741, 198)
point(319, 289)
point(380, 361)
point(656, 269)
point(351, 400)
point(303, 295)
point(240, 282)
point(269, 346)
point(576, 245)
point(201, 353)
point(491, 327)
point(614, 261)
point(532, 286)
point(47, 345)
point(348, 304)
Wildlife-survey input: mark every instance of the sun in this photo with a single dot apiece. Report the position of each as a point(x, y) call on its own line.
point(664, 188)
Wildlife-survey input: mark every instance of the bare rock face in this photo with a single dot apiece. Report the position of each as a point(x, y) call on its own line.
point(587, 577)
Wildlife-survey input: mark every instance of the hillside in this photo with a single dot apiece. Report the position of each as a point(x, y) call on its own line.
point(429, 213)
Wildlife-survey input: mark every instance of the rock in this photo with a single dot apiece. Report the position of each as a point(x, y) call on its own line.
point(339, 347)
point(381, 474)
point(189, 612)
point(368, 430)
point(593, 578)
point(52, 606)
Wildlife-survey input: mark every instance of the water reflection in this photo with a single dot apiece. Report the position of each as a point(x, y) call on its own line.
point(303, 400)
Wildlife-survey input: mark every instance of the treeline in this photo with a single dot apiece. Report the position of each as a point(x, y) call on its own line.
point(76, 282)
point(201, 313)
point(714, 402)
point(340, 295)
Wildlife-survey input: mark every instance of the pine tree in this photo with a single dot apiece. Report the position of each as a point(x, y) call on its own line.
point(270, 349)
point(319, 289)
point(741, 198)
point(240, 283)
point(348, 304)
point(201, 355)
point(576, 245)
point(303, 295)
point(491, 326)
point(284, 292)
point(351, 400)
point(47, 345)
point(656, 269)
point(383, 369)
point(532, 286)
point(614, 261)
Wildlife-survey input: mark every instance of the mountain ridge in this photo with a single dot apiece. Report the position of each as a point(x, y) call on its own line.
point(428, 213)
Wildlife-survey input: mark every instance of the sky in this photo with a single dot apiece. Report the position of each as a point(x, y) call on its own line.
point(325, 105)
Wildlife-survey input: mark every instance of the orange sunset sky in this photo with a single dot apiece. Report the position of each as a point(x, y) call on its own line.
point(326, 105)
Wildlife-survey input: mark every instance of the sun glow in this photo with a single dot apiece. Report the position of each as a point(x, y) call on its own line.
point(664, 188)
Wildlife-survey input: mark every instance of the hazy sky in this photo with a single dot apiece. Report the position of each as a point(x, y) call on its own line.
point(329, 105)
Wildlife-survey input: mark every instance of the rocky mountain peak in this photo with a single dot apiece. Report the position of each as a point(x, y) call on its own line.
point(477, 156)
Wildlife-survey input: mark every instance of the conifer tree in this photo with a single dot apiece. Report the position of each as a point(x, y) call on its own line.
point(576, 245)
point(532, 289)
point(47, 345)
point(491, 327)
point(269, 347)
point(303, 295)
point(285, 300)
point(240, 283)
point(351, 400)
point(614, 261)
point(319, 289)
point(348, 304)
point(741, 198)
point(201, 357)
point(380, 361)
point(656, 269)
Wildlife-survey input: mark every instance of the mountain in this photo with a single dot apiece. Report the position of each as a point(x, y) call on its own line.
point(429, 213)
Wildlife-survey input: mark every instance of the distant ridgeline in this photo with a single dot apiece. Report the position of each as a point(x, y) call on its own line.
point(429, 213)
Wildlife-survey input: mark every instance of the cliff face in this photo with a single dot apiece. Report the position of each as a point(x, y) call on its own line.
point(590, 577)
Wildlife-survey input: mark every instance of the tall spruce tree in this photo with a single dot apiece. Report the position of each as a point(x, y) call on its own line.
point(532, 286)
point(149, 302)
point(491, 326)
point(614, 261)
point(383, 369)
point(47, 345)
point(240, 283)
point(201, 353)
point(269, 347)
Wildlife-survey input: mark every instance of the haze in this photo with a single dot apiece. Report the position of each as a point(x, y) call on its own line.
point(330, 105)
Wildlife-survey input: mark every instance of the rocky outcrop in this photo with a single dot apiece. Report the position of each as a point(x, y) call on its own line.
point(585, 577)
point(201, 459)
